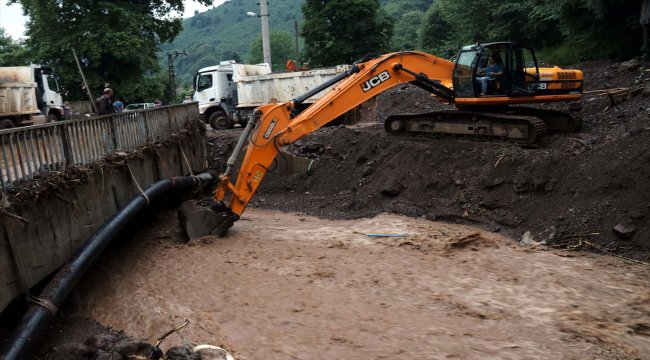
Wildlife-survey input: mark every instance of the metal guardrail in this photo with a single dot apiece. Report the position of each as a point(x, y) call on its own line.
point(33, 150)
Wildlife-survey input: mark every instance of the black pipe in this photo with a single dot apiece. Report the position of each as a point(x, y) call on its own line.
point(34, 322)
point(300, 99)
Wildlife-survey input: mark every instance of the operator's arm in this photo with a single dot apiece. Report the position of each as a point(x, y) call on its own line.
point(276, 128)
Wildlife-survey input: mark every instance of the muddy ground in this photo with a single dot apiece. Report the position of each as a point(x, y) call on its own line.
point(567, 193)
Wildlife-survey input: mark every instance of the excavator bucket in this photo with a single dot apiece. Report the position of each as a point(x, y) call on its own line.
point(198, 220)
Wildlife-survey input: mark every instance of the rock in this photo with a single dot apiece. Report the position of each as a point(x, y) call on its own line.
point(211, 352)
point(527, 239)
point(635, 130)
point(69, 351)
point(180, 353)
point(314, 147)
point(629, 65)
point(392, 189)
point(624, 232)
point(646, 91)
point(139, 349)
point(105, 342)
point(549, 235)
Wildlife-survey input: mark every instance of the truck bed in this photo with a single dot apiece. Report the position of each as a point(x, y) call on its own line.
point(256, 90)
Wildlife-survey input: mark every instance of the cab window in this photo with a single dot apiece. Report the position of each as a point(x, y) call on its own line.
point(463, 84)
point(204, 82)
point(52, 84)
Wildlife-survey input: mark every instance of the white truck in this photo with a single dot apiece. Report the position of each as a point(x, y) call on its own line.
point(29, 95)
point(229, 92)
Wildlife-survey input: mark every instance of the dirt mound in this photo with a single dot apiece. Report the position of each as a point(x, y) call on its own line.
point(567, 189)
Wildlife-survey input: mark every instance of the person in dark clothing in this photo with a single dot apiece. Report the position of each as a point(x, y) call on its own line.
point(103, 103)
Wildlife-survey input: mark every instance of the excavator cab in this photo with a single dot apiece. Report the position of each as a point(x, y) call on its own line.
point(519, 76)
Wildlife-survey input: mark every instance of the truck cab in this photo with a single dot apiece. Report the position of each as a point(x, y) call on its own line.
point(48, 96)
point(216, 93)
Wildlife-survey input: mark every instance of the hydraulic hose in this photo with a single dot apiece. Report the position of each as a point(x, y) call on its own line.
point(38, 316)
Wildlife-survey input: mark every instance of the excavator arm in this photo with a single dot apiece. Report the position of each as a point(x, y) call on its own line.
point(273, 126)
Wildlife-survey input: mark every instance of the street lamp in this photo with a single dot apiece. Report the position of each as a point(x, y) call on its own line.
point(266, 45)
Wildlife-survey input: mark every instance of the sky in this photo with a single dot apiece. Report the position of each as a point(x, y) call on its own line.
point(13, 21)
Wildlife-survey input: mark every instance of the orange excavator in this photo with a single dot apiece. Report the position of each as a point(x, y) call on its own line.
point(482, 110)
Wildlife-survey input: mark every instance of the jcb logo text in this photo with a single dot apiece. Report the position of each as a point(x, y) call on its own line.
point(374, 81)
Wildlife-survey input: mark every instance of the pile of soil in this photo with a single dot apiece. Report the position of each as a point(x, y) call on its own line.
point(588, 188)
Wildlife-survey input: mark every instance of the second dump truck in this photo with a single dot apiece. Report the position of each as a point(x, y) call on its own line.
point(229, 92)
point(29, 95)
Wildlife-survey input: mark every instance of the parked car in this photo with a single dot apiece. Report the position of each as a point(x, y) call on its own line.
point(139, 106)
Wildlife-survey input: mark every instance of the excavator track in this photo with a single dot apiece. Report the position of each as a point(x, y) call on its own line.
point(511, 127)
point(555, 120)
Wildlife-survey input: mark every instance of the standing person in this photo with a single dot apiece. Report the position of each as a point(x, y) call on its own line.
point(67, 110)
point(103, 103)
point(158, 103)
point(118, 105)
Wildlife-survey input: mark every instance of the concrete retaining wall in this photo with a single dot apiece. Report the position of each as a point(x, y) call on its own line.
point(39, 234)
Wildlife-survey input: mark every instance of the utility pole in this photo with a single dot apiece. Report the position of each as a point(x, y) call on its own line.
point(83, 78)
point(295, 24)
point(171, 56)
point(266, 46)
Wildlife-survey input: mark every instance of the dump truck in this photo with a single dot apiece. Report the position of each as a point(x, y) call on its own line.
point(228, 93)
point(29, 95)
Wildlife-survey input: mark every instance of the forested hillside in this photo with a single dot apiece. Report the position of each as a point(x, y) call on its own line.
point(227, 32)
point(563, 31)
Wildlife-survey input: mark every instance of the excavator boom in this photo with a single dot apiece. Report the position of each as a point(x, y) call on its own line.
point(273, 126)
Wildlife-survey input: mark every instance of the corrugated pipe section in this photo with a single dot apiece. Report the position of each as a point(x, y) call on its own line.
point(35, 321)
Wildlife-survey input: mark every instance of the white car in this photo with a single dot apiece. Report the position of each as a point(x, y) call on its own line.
point(139, 106)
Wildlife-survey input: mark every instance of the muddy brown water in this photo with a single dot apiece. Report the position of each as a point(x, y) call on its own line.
point(287, 286)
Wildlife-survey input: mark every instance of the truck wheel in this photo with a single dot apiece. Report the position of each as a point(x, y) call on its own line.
point(219, 121)
point(52, 118)
point(6, 124)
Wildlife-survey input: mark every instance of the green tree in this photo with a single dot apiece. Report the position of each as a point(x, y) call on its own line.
point(231, 55)
point(435, 32)
point(12, 53)
point(343, 31)
point(597, 28)
point(572, 29)
point(282, 49)
point(116, 41)
point(407, 30)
